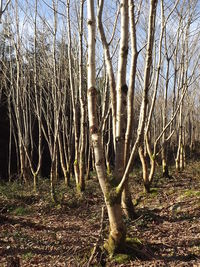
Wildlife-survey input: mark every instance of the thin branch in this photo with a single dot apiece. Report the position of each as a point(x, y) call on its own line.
point(6, 6)
point(115, 25)
point(99, 237)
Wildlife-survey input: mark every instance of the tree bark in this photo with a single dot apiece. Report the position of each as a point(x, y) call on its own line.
point(117, 233)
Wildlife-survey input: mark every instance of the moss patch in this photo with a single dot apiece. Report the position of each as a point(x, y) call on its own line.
point(190, 193)
point(21, 211)
point(133, 241)
point(113, 196)
point(154, 192)
point(121, 258)
point(133, 248)
point(27, 256)
point(115, 245)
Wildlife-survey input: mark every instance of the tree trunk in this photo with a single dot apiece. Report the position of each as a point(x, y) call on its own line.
point(117, 233)
point(165, 171)
point(144, 170)
point(127, 203)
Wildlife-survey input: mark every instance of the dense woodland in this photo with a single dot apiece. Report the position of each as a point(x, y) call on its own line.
point(95, 91)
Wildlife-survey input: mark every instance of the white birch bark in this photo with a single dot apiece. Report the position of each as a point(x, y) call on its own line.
point(113, 202)
point(72, 89)
point(143, 108)
point(82, 143)
point(122, 89)
point(127, 203)
point(109, 66)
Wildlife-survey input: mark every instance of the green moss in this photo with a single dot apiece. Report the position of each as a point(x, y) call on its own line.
point(112, 182)
point(121, 258)
point(133, 241)
point(27, 256)
point(132, 245)
point(113, 246)
point(151, 192)
point(131, 248)
point(109, 248)
point(190, 193)
point(20, 211)
point(113, 196)
point(108, 170)
point(154, 192)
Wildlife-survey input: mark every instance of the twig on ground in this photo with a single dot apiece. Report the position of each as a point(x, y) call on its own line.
point(138, 218)
point(99, 237)
point(4, 207)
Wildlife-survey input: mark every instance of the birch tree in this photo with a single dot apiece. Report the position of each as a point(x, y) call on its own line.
point(122, 113)
point(112, 188)
point(145, 151)
point(78, 100)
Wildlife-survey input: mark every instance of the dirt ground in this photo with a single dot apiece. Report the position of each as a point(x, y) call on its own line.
point(35, 232)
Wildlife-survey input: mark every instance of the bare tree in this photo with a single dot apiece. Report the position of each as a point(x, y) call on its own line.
point(112, 189)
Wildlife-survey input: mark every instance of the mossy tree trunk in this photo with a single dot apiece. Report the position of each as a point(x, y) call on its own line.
point(113, 194)
point(117, 232)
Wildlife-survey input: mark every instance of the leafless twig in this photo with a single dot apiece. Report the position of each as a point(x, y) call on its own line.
point(99, 237)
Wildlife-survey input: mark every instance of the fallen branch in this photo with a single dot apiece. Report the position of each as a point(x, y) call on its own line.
point(139, 218)
point(99, 237)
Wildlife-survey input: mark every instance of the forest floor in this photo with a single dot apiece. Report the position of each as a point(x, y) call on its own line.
point(36, 232)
